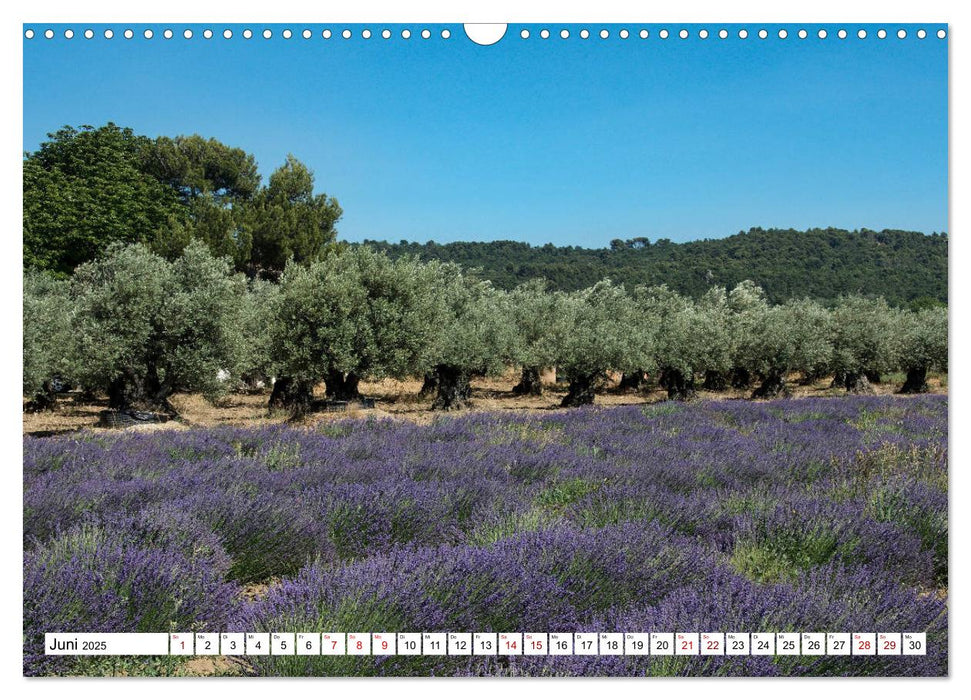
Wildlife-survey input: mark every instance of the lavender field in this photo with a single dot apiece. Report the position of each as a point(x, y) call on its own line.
point(803, 515)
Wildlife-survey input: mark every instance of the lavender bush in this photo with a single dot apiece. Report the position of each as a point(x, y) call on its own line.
point(807, 515)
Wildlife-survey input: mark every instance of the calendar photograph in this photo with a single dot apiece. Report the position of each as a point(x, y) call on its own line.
point(516, 350)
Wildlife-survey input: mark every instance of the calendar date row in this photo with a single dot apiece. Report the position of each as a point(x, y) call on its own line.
point(490, 644)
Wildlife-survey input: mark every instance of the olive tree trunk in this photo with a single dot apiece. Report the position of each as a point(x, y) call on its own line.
point(679, 386)
point(857, 383)
point(44, 400)
point(582, 390)
point(430, 385)
point(293, 395)
point(916, 382)
point(773, 386)
point(810, 378)
point(341, 387)
point(454, 389)
point(741, 378)
point(632, 381)
point(149, 393)
point(715, 381)
point(530, 383)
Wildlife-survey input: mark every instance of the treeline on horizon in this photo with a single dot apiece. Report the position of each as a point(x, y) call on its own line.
point(907, 268)
point(87, 188)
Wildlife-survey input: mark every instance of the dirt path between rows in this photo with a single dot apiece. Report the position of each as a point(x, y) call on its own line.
point(394, 399)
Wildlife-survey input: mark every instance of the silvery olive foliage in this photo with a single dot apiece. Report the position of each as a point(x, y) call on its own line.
point(748, 307)
point(474, 336)
point(795, 336)
point(311, 327)
point(145, 327)
point(475, 330)
point(865, 335)
point(48, 317)
point(257, 307)
point(402, 316)
point(541, 324)
point(605, 332)
point(923, 346)
point(355, 311)
point(810, 327)
point(139, 327)
point(923, 339)
point(683, 335)
point(713, 319)
point(678, 345)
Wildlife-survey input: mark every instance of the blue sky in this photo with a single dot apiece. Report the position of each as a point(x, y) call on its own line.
point(573, 142)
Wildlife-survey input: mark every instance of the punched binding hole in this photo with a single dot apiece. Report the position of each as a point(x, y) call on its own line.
point(489, 34)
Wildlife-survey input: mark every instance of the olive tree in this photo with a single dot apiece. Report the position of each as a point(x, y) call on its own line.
point(48, 339)
point(397, 318)
point(311, 330)
point(793, 336)
point(865, 341)
point(474, 335)
point(146, 327)
point(713, 327)
point(811, 326)
point(923, 346)
point(354, 314)
point(603, 332)
point(748, 306)
point(255, 318)
point(678, 349)
point(539, 321)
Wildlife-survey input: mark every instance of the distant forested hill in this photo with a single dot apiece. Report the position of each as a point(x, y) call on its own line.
point(906, 267)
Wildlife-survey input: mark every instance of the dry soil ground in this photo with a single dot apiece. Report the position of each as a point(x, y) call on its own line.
point(394, 399)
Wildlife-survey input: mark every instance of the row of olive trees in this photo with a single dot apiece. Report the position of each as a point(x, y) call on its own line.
point(134, 326)
point(138, 328)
